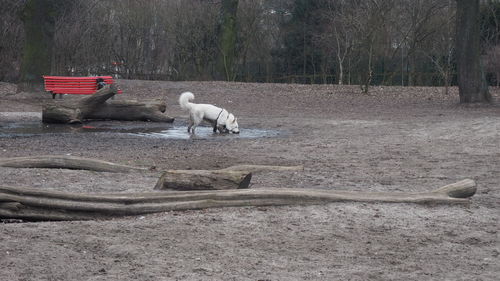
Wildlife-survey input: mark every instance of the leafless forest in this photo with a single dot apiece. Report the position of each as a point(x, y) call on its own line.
point(380, 42)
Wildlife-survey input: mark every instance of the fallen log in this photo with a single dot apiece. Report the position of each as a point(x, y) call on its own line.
point(41, 205)
point(262, 168)
point(234, 177)
point(96, 107)
point(67, 162)
point(203, 180)
point(80, 163)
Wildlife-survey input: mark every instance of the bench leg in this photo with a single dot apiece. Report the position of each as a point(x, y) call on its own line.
point(53, 96)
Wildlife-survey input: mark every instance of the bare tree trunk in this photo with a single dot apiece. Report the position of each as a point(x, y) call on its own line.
point(471, 78)
point(39, 26)
point(369, 73)
point(228, 39)
point(96, 107)
point(40, 205)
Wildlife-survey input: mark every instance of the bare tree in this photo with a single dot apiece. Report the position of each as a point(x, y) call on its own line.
point(359, 41)
point(39, 25)
point(339, 34)
point(192, 36)
point(370, 25)
point(227, 39)
point(492, 62)
point(11, 32)
point(440, 48)
point(471, 78)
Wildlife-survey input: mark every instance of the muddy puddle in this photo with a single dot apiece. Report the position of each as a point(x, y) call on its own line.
point(140, 129)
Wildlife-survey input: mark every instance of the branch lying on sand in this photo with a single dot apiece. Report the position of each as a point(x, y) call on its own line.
point(35, 204)
point(80, 163)
point(67, 162)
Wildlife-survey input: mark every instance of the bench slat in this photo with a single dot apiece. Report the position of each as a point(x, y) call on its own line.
point(75, 85)
point(75, 81)
point(76, 77)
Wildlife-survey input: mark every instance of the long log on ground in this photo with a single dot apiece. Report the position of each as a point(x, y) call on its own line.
point(34, 204)
point(96, 106)
point(67, 162)
point(203, 180)
point(263, 168)
point(131, 110)
point(80, 163)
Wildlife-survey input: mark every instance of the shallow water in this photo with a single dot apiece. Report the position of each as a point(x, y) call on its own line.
point(179, 132)
point(141, 129)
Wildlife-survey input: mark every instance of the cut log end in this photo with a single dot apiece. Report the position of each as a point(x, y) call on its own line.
point(462, 189)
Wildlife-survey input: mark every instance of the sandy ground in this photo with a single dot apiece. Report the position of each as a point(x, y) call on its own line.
point(394, 139)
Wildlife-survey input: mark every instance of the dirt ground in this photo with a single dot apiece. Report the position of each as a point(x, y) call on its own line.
point(394, 139)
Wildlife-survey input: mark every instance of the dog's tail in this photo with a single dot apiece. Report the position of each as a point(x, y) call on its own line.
point(184, 100)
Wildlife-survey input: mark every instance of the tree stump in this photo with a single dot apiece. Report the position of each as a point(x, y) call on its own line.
point(203, 180)
point(96, 107)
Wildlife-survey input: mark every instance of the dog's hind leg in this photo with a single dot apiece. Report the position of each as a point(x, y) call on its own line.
point(194, 122)
point(191, 124)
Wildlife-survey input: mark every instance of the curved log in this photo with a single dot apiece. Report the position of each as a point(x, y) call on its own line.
point(67, 162)
point(80, 163)
point(34, 204)
point(95, 106)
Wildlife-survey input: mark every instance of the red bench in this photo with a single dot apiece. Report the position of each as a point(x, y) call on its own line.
point(74, 85)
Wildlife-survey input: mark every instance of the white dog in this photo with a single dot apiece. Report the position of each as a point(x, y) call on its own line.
point(220, 118)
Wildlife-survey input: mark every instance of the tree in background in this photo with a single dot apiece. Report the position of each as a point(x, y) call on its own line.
point(228, 39)
point(471, 78)
point(12, 39)
point(490, 35)
point(492, 62)
point(300, 52)
point(362, 42)
point(39, 17)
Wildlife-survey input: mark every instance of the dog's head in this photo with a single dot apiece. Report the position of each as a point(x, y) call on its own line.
point(232, 124)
